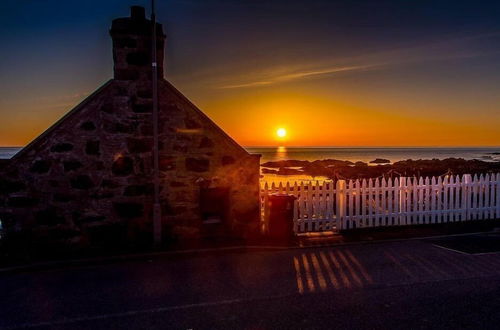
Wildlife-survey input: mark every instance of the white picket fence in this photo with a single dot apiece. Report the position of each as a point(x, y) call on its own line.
point(388, 202)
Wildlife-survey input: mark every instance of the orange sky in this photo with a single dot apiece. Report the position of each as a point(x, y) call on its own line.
point(333, 75)
point(252, 117)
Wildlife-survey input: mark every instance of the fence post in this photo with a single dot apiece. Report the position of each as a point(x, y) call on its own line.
point(341, 201)
point(401, 200)
point(467, 194)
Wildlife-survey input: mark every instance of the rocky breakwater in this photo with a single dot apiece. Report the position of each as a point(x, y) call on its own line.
point(333, 168)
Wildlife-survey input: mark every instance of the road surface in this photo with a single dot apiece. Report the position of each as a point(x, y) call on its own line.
point(410, 284)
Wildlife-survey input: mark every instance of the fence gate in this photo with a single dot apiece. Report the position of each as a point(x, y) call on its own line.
point(378, 202)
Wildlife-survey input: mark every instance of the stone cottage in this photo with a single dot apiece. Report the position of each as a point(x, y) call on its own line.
point(88, 179)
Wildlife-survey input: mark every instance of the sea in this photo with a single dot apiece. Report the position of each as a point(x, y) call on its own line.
point(365, 155)
point(352, 154)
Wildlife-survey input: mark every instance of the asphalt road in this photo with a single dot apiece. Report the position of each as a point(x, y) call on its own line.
point(401, 285)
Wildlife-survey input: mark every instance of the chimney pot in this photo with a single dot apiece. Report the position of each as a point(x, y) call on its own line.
point(137, 13)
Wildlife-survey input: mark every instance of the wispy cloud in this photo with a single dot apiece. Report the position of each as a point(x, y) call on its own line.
point(300, 75)
point(442, 50)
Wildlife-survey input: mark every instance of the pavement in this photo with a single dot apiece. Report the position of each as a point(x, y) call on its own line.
point(405, 284)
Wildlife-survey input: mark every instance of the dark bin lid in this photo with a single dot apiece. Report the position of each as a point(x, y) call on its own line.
point(282, 196)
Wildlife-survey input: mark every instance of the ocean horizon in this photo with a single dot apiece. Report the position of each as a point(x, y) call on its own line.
point(365, 154)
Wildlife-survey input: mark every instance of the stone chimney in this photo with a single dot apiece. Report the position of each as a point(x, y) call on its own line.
point(132, 46)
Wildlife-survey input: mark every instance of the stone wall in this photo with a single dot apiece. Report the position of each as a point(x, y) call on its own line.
point(88, 179)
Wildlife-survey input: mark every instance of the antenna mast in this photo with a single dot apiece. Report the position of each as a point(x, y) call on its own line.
point(156, 172)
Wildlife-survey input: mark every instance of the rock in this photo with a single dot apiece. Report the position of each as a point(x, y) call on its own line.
point(380, 161)
point(286, 163)
point(289, 171)
point(332, 162)
point(269, 171)
point(429, 167)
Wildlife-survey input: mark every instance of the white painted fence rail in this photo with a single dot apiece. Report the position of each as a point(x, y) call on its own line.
point(349, 204)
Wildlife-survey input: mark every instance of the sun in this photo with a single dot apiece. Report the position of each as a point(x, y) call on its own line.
point(281, 132)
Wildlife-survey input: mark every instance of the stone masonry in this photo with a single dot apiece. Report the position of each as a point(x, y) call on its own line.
point(88, 178)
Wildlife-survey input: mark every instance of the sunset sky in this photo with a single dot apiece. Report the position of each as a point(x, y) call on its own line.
point(332, 73)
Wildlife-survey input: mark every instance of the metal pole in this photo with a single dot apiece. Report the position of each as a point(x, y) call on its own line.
point(156, 173)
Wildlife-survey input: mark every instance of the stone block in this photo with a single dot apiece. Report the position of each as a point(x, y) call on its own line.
point(228, 160)
point(9, 186)
point(138, 190)
point(139, 145)
point(63, 198)
point(40, 166)
point(125, 42)
point(192, 124)
point(138, 58)
point(21, 201)
point(107, 107)
point(92, 148)
point(62, 147)
point(206, 143)
point(197, 164)
point(145, 93)
point(126, 74)
point(82, 182)
point(49, 217)
point(142, 107)
point(117, 127)
point(71, 165)
point(123, 166)
point(88, 126)
point(129, 210)
point(88, 219)
point(167, 163)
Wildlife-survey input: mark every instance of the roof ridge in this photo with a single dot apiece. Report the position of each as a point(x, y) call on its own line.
point(61, 120)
